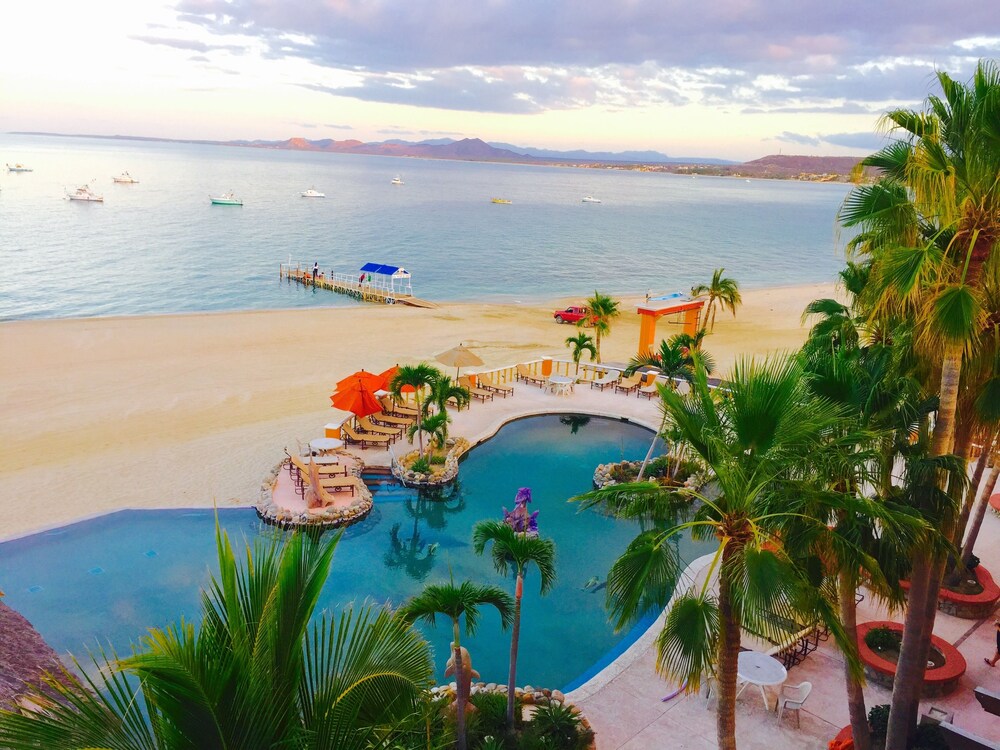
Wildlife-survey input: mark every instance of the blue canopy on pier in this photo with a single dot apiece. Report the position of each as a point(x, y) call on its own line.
point(384, 270)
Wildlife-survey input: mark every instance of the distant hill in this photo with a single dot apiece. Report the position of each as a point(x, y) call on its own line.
point(776, 166)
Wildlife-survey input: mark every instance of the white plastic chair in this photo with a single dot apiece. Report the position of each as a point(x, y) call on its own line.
point(793, 697)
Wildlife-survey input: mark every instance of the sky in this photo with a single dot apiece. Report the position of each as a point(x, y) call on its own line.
point(733, 79)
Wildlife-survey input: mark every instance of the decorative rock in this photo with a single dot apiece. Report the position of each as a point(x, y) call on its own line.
point(557, 695)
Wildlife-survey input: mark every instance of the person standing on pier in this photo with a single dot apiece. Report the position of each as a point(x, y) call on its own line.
point(315, 271)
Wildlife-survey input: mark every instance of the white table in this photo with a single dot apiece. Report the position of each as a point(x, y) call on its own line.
point(324, 444)
point(755, 668)
point(560, 385)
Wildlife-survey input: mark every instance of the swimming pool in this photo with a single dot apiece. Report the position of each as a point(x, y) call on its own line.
point(109, 579)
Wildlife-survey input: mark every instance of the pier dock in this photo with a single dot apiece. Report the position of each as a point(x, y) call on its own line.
point(388, 285)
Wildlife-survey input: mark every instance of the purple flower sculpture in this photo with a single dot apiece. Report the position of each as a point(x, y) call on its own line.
point(519, 519)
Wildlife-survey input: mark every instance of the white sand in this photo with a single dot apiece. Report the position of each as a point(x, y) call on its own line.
point(187, 410)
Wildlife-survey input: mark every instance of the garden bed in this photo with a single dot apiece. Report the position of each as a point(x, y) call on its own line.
point(436, 473)
point(969, 606)
point(665, 470)
point(880, 666)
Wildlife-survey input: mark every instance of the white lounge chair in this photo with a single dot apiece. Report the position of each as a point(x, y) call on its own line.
point(606, 381)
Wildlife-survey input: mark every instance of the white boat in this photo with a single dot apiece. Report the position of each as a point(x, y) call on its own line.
point(312, 193)
point(397, 180)
point(84, 193)
point(591, 199)
point(226, 199)
point(125, 179)
point(19, 168)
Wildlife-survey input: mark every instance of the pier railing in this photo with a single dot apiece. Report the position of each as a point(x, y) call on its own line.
point(364, 287)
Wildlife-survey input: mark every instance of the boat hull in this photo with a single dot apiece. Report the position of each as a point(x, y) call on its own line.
point(225, 202)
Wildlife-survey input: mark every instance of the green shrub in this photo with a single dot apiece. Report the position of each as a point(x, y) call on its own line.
point(555, 725)
point(437, 459)
point(421, 466)
point(929, 737)
point(883, 639)
point(493, 743)
point(878, 719)
point(490, 717)
point(973, 562)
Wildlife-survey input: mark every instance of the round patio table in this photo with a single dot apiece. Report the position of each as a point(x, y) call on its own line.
point(755, 668)
point(560, 385)
point(324, 444)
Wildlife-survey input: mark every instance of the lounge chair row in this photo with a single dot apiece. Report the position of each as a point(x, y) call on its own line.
point(332, 478)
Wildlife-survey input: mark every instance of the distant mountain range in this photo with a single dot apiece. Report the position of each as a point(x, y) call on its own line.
point(825, 168)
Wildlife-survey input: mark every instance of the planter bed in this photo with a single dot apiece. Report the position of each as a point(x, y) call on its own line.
point(969, 606)
point(937, 682)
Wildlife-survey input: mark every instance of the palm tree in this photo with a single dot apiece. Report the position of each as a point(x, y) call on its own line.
point(454, 602)
point(721, 291)
point(581, 343)
point(603, 310)
point(674, 360)
point(435, 427)
point(259, 672)
point(513, 551)
point(759, 436)
point(931, 227)
point(416, 377)
point(443, 389)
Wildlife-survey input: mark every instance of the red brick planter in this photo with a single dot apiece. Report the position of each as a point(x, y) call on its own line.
point(969, 606)
point(843, 741)
point(995, 503)
point(937, 682)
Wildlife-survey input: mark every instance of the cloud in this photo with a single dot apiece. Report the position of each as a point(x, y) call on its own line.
point(522, 56)
point(188, 44)
point(864, 141)
point(800, 138)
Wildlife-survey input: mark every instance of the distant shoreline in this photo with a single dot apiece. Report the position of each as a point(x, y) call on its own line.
point(773, 167)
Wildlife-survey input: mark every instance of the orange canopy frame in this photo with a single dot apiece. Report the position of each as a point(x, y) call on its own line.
point(653, 310)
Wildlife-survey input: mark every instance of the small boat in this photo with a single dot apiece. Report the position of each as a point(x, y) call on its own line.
point(19, 168)
point(125, 179)
point(312, 193)
point(84, 193)
point(504, 201)
point(591, 199)
point(226, 199)
point(397, 180)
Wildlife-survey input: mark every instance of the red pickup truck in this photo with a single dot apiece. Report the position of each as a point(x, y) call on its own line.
point(572, 315)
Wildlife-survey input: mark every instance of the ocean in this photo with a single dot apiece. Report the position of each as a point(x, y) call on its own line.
point(161, 247)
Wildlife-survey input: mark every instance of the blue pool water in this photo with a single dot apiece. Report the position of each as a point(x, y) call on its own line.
point(109, 579)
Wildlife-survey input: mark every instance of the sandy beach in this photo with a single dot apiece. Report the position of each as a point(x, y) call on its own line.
point(190, 410)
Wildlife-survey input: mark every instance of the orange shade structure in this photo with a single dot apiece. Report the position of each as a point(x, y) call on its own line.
point(370, 380)
point(387, 377)
point(359, 401)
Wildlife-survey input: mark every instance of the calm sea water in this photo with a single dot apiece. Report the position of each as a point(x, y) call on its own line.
point(109, 579)
point(160, 247)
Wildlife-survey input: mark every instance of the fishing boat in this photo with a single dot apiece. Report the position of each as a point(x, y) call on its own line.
point(312, 193)
point(85, 194)
point(19, 168)
point(226, 199)
point(591, 199)
point(503, 201)
point(125, 179)
point(397, 180)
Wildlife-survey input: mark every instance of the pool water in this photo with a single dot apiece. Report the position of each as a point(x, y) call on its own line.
point(108, 580)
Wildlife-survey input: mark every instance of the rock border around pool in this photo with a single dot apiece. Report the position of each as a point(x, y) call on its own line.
point(602, 476)
point(938, 682)
point(325, 518)
point(410, 478)
point(968, 606)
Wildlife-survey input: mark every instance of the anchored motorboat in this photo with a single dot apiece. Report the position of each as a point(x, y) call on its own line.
point(19, 168)
point(226, 199)
point(312, 193)
point(84, 193)
point(591, 199)
point(503, 201)
point(397, 180)
point(125, 179)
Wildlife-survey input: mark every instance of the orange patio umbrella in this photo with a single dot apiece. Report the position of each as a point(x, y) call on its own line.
point(358, 400)
point(371, 381)
point(387, 377)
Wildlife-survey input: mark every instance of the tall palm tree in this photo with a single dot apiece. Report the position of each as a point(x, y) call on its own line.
point(721, 291)
point(759, 436)
point(259, 672)
point(458, 602)
point(513, 551)
point(443, 390)
point(603, 310)
point(931, 227)
point(579, 344)
point(418, 377)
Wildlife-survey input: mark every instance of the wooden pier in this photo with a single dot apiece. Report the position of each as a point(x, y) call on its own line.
point(372, 289)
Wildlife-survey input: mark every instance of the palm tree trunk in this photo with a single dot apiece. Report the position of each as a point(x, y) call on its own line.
point(981, 503)
point(649, 453)
point(855, 695)
point(420, 428)
point(460, 696)
point(597, 343)
point(515, 635)
point(728, 656)
point(971, 495)
point(919, 625)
